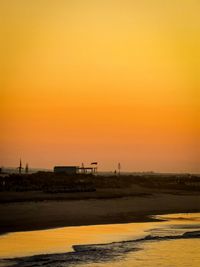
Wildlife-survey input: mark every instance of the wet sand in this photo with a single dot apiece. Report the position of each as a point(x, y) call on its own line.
point(32, 215)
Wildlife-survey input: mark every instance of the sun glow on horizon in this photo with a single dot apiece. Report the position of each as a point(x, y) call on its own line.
point(103, 80)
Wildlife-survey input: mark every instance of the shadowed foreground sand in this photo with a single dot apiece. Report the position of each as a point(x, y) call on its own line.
point(49, 214)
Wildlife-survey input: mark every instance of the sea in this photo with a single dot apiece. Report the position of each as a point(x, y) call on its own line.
point(171, 240)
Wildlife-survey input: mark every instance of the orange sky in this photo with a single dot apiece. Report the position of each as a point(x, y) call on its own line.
point(108, 81)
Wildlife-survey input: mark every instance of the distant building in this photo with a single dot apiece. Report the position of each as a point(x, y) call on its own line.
point(66, 169)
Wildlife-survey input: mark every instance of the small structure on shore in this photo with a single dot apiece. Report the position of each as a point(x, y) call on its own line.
point(86, 170)
point(66, 169)
point(76, 169)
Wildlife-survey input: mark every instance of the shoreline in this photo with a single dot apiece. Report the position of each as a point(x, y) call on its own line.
point(30, 216)
point(88, 251)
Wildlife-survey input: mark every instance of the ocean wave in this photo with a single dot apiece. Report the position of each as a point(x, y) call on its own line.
point(118, 245)
point(93, 253)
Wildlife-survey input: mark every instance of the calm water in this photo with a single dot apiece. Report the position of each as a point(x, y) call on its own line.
point(135, 244)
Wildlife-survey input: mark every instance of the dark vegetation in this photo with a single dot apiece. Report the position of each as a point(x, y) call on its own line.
point(47, 182)
point(50, 182)
point(168, 181)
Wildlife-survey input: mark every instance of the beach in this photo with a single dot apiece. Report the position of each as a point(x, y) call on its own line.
point(34, 215)
point(115, 224)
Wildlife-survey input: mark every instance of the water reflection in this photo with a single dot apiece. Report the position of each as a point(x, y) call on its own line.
point(143, 248)
point(62, 239)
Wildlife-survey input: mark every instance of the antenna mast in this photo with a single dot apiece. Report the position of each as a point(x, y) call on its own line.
point(20, 167)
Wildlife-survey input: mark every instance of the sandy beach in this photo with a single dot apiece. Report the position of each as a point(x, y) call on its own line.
point(31, 215)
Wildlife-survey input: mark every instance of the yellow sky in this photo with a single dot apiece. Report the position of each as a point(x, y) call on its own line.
point(103, 81)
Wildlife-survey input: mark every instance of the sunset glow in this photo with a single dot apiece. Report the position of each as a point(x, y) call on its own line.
point(107, 81)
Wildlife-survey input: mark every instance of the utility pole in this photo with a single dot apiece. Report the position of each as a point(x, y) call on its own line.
point(83, 168)
point(119, 168)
